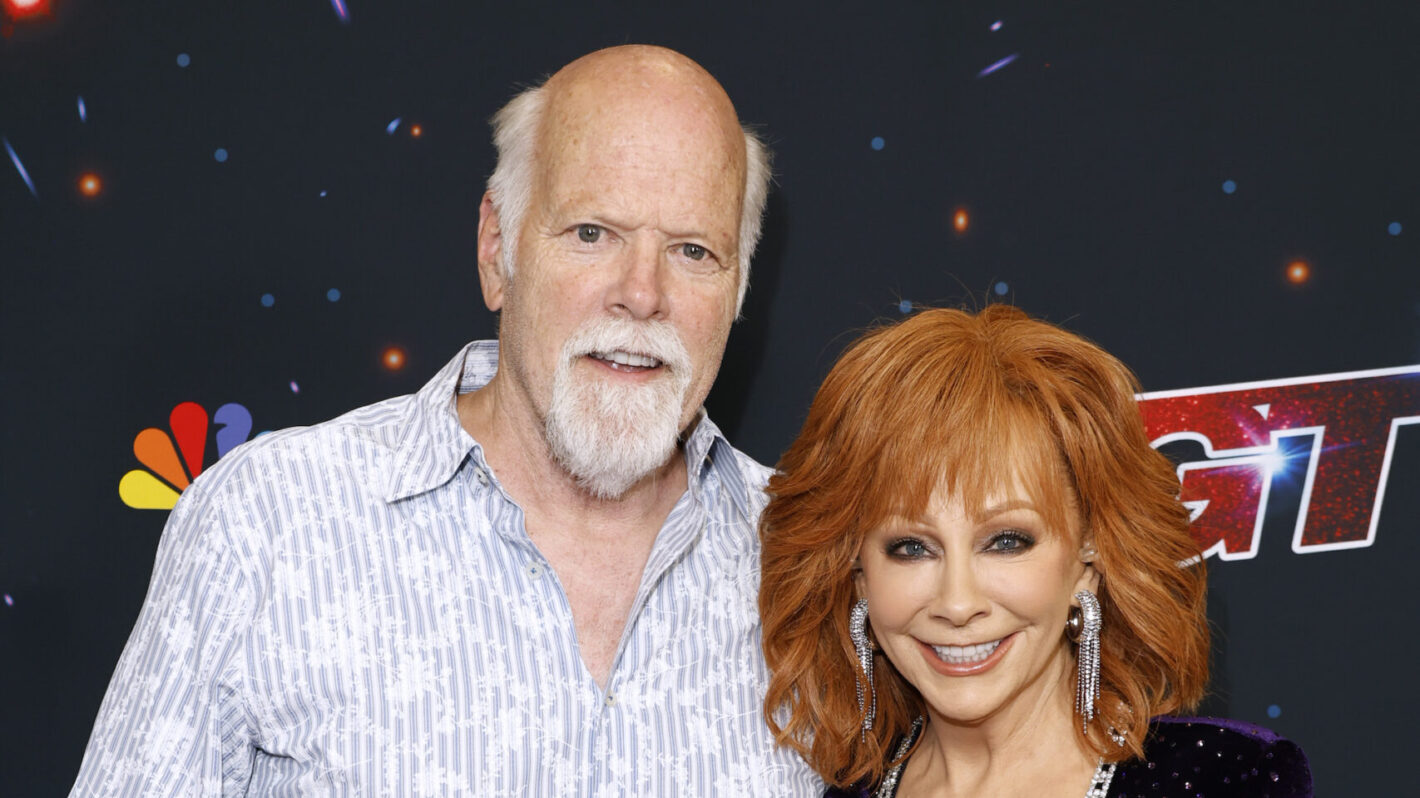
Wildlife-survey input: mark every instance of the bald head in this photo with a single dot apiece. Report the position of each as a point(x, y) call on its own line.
point(622, 99)
point(654, 84)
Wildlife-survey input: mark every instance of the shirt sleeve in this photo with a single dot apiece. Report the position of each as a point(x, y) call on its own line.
point(174, 720)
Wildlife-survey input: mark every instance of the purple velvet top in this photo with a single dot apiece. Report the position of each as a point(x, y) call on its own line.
point(1216, 758)
point(1200, 758)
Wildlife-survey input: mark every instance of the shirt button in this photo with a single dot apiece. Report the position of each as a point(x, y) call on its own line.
point(611, 699)
point(534, 570)
point(482, 475)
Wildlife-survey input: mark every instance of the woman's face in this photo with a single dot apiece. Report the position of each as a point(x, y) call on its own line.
point(972, 610)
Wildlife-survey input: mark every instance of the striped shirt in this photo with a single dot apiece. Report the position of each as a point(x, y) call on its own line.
point(355, 608)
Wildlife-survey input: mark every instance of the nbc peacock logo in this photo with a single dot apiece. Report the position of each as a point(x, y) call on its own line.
point(173, 461)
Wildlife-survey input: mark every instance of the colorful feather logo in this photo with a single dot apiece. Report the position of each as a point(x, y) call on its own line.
point(171, 467)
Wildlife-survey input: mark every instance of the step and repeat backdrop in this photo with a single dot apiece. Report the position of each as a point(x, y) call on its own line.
point(218, 219)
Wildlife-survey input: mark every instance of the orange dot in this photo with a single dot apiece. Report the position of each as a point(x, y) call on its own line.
point(90, 185)
point(960, 220)
point(1298, 272)
point(393, 358)
point(416, 130)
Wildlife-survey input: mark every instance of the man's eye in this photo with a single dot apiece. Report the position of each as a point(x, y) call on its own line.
point(589, 233)
point(694, 251)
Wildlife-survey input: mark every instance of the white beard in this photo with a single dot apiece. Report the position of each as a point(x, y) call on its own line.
point(609, 436)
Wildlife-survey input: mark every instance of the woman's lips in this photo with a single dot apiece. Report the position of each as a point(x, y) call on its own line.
point(966, 660)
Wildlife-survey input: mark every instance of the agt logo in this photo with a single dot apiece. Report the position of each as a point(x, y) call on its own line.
point(1330, 436)
point(170, 467)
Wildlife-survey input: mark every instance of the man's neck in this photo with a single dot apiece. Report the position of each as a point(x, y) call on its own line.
point(597, 547)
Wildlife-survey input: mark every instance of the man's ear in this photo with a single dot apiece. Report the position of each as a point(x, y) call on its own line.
point(490, 251)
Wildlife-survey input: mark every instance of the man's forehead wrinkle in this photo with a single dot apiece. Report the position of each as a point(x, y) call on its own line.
point(611, 203)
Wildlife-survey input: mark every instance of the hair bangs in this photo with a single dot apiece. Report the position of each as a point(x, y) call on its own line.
point(973, 435)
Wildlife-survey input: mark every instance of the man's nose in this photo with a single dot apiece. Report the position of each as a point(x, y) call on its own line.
point(638, 287)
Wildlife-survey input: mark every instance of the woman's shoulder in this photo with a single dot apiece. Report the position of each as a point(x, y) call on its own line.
point(1215, 757)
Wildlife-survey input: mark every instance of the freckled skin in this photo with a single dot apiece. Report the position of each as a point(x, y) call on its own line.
point(634, 213)
point(657, 168)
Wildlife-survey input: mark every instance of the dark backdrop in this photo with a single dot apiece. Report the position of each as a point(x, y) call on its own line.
point(1091, 169)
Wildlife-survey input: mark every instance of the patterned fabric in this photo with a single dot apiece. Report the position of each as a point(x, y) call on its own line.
point(355, 608)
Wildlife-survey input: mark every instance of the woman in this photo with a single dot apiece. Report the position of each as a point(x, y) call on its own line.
point(978, 579)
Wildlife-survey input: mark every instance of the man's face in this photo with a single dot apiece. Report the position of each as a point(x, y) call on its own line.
point(634, 222)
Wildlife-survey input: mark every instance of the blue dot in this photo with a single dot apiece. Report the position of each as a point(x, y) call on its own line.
point(184, 59)
point(1274, 711)
point(267, 300)
point(1001, 289)
point(905, 306)
point(9, 600)
point(1229, 186)
point(877, 143)
point(1393, 228)
point(322, 192)
point(996, 25)
point(220, 154)
point(333, 295)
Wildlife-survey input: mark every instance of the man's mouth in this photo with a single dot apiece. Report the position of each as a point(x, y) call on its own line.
point(626, 361)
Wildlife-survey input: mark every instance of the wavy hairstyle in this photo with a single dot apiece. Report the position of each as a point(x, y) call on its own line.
point(965, 402)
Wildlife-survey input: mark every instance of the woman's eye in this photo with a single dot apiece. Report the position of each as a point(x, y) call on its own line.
point(694, 251)
point(589, 233)
point(1010, 541)
point(907, 549)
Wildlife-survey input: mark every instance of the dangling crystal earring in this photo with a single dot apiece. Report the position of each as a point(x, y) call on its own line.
point(867, 698)
point(1083, 627)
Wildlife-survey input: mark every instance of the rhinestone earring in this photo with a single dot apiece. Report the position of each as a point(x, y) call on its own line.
point(867, 697)
point(1083, 627)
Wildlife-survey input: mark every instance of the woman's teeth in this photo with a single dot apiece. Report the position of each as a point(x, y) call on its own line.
point(966, 655)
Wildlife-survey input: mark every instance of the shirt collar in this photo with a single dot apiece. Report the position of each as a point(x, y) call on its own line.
point(433, 444)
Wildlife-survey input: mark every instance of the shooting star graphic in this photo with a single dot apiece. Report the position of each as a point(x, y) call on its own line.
point(19, 167)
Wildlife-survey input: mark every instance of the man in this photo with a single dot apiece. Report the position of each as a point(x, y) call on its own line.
point(537, 576)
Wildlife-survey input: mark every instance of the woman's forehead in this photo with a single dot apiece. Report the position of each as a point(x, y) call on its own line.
point(1017, 478)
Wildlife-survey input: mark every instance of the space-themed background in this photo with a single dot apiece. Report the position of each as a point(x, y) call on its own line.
point(218, 219)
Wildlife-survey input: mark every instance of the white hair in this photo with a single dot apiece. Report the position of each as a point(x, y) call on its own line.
point(515, 131)
point(609, 435)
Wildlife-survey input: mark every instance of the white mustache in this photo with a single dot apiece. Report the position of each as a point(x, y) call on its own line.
point(608, 336)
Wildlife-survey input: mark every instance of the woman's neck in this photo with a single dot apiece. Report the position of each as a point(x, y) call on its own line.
point(1028, 748)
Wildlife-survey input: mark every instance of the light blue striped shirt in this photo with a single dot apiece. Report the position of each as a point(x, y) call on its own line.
point(355, 608)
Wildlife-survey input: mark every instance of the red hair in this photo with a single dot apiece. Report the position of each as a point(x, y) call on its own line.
point(961, 402)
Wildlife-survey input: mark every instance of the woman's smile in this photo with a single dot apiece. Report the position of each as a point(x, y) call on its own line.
point(967, 660)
